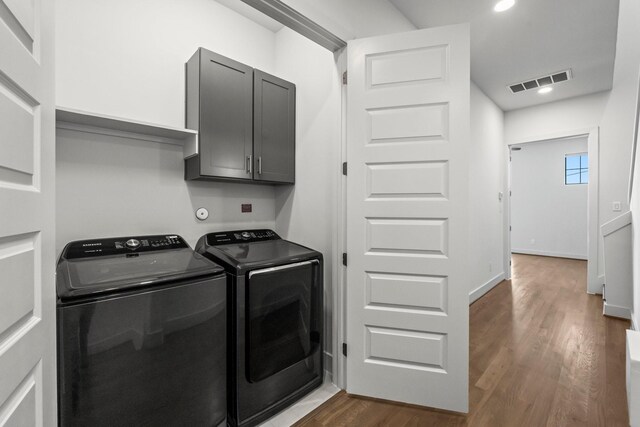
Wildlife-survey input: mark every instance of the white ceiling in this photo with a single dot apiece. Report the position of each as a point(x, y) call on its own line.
point(533, 39)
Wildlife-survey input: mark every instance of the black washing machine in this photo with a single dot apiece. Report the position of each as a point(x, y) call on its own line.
point(275, 294)
point(141, 330)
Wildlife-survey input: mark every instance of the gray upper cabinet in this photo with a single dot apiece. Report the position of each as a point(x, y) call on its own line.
point(245, 119)
point(274, 128)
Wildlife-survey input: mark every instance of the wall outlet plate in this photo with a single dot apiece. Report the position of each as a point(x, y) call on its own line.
point(617, 206)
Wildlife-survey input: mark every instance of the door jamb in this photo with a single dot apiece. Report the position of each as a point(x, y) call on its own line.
point(594, 280)
point(339, 367)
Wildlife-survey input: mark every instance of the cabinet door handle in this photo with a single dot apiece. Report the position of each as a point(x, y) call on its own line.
point(259, 165)
point(249, 163)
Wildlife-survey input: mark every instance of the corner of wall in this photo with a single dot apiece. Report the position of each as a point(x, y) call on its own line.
point(480, 291)
point(487, 180)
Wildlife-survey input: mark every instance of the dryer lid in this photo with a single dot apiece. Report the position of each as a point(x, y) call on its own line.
point(245, 256)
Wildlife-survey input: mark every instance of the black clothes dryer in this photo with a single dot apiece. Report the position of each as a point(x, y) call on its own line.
point(275, 294)
point(141, 330)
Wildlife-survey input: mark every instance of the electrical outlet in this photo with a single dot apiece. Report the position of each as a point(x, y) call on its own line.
point(617, 206)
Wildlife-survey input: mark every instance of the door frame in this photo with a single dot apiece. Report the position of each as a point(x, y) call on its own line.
point(594, 279)
point(339, 324)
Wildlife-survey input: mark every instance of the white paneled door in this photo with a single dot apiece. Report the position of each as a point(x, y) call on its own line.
point(27, 258)
point(407, 209)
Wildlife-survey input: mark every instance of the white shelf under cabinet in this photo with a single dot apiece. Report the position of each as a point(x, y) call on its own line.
point(67, 118)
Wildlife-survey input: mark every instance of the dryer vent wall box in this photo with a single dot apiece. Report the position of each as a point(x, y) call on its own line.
point(245, 120)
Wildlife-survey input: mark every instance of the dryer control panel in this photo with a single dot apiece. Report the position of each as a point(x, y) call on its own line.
point(123, 245)
point(240, 236)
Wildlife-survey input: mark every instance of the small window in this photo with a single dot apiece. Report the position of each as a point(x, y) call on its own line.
point(576, 169)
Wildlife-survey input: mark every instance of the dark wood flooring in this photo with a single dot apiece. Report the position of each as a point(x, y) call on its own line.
point(541, 354)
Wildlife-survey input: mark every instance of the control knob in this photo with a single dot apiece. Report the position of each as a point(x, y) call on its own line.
point(133, 243)
point(245, 235)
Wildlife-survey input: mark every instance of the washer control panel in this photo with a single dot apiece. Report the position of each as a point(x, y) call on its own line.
point(240, 236)
point(123, 246)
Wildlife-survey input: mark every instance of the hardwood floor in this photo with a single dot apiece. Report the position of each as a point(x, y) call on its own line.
point(541, 354)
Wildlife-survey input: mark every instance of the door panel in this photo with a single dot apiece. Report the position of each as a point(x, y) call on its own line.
point(225, 116)
point(27, 258)
point(17, 263)
point(274, 128)
point(407, 294)
point(20, 16)
point(407, 291)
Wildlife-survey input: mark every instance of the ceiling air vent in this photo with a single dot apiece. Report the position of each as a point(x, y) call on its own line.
point(540, 81)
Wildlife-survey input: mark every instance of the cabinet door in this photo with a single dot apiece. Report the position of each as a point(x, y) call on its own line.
point(225, 117)
point(274, 128)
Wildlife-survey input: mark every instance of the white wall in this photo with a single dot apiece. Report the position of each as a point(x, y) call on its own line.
point(126, 58)
point(540, 121)
point(635, 218)
point(619, 117)
point(108, 186)
point(306, 212)
point(567, 117)
point(486, 180)
point(624, 93)
point(547, 217)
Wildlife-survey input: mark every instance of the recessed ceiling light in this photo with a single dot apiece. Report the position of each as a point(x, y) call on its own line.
point(503, 5)
point(545, 90)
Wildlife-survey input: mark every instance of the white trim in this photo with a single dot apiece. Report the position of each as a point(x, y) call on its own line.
point(547, 253)
point(483, 289)
point(616, 311)
point(634, 325)
point(339, 323)
point(594, 240)
point(289, 17)
point(632, 346)
point(594, 282)
point(506, 235)
point(634, 142)
point(554, 135)
point(619, 222)
point(598, 285)
point(328, 364)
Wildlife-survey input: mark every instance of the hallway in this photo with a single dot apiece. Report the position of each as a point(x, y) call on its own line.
point(541, 353)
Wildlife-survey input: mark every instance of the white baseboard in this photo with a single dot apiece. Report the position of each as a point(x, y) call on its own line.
point(328, 364)
point(547, 253)
point(595, 288)
point(480, 291)
point(616, 311)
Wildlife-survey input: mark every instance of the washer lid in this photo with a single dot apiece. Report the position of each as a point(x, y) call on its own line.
point(80, 274)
